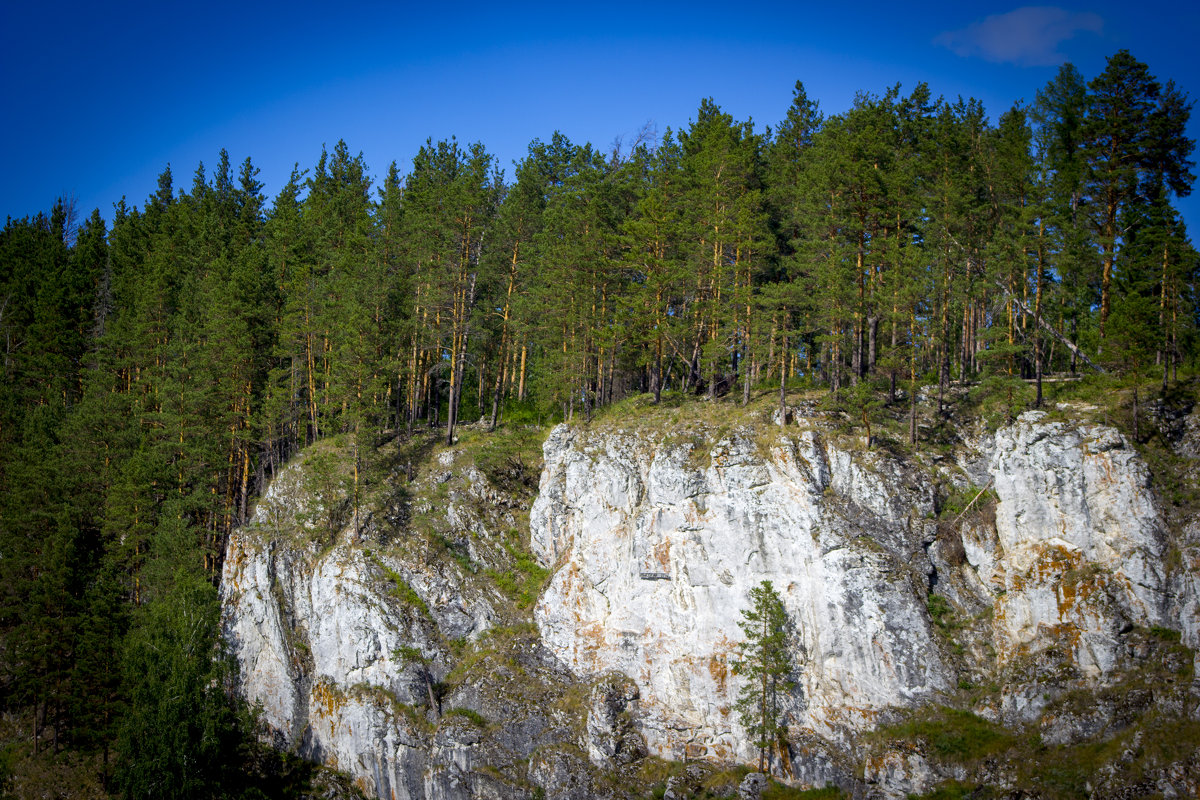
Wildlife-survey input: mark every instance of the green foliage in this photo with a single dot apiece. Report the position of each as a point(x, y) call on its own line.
point(327, 486)
point(399, 587)
point(7, 759)
point(939, 610)
point(156, 374)
point(525, 580)
point(1166, 634)
point(778, 791)
point(766, 663)
point(410, 654)
point(181, 719)
point(959, 500)
point(954, 735)
point(474, 716)
point(510, 457)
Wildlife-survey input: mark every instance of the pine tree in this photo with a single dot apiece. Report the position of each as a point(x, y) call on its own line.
point(728, 241)
point(571, 301)
point(182, 720)
point(450, 203)
point(766, 662)
point(794, 210)
point(1062, 243)
point(1005, 349)
point(651, 235)
point(1134, 135)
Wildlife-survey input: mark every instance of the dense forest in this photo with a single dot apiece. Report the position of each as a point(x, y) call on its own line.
point(157, 372)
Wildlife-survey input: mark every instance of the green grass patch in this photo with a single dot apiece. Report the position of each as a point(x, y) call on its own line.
point(449, 548)
point(954, 735)
point(410, 654)
point(1166, 634)
point(399, 587)
point(510, 457)
point(474, 716)
point(723, 783)
point(470, 655)
point(778, 791)
point(957, 501)
point(948, 623)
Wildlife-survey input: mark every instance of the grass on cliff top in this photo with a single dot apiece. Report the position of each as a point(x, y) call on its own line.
point(510, 456)
point(639, 413)
point(426, 475)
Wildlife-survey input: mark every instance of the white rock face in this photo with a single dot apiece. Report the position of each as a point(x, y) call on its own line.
point(1081, 537)
point(656, 547)
point(655, 541)
point(656, 557)
point(321, 641)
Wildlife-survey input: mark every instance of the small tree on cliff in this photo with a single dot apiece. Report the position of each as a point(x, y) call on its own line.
point(764, 659)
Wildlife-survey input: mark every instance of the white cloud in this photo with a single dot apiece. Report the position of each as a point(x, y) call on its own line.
point(1028, 36)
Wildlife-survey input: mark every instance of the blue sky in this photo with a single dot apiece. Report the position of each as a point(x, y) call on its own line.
point(99, 98)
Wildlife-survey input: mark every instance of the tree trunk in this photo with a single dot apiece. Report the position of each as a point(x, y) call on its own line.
point(783, 382)
point(872, 337)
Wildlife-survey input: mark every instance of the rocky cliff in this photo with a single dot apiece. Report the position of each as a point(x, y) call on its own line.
point(1004, 578)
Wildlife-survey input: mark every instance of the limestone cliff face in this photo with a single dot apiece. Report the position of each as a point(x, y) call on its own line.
point(328, 649)
point(399, 647)
point(1080, 541)
point(657, 541)
point(656, 553)
point(341, 641)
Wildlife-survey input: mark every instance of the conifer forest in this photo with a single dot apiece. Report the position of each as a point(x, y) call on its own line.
point(158, 370)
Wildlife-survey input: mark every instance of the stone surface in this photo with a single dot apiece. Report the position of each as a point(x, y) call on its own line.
point(897, 773)
point(1048, 587)
point(656, 551)
point(611, 736)
point(338, 655)
point(751, 787)
point(656, 543)
point(1081, 537)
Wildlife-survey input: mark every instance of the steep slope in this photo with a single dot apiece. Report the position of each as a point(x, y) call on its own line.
point(1014, 578)
point(656, 554)
point(393, 646)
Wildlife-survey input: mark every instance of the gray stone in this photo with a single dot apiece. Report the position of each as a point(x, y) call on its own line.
point(611, 735)
point(655, 540)
point(752, 786)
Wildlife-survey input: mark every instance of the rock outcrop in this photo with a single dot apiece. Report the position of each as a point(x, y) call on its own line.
point(352, 639)
point(656, 546)
point(656, 541)
point(402, 647)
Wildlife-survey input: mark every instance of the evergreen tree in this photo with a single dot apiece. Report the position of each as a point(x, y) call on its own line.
point(1062, 243)
point(1004, 350)
point(651, 235)
point(1133, 135)
point(767, 664)
point(793, 203)
point(572, 300)
point(727, 243)
point(450, 203)
point(288, 410)
point(182, 721)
